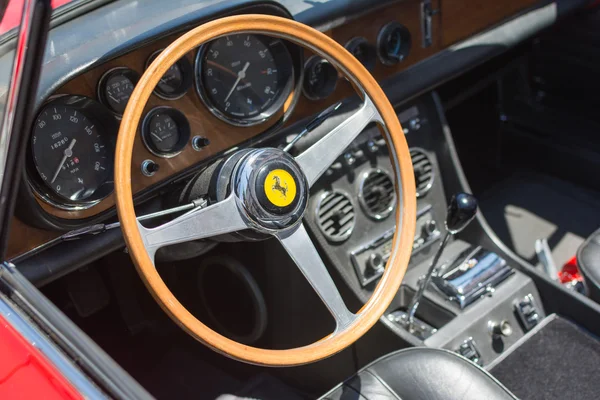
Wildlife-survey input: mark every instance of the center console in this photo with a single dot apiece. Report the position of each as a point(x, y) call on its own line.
point(478, 304)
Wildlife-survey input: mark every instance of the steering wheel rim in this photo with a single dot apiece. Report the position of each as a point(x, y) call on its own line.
point(350, 327)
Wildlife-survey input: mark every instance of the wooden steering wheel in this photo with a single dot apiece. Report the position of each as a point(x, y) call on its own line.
point(250, 205)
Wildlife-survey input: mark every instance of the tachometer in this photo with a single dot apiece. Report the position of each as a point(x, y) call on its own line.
point(244, 79)
point(72, 150)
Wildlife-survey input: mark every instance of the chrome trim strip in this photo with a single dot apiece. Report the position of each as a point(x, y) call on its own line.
point(91, 359)
point(26, 329)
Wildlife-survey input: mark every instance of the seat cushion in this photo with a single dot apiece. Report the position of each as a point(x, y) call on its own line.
point(421, 373)
point(588, 261)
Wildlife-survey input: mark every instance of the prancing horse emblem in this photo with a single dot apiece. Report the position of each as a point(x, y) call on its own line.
point(277, 186)
point(280, 188)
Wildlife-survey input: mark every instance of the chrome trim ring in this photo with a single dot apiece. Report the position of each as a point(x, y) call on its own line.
point(100, 84)
point(323, 196)
point(376, 216)
point(310, 60)
point(248, 180)
point(191, 78)
point(39, 189)
point(62, 206)
point(183, 125)
point(261, 117)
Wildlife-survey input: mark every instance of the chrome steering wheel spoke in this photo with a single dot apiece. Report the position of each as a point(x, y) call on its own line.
point(301, 249)
point(200, 223)
point(316, 159)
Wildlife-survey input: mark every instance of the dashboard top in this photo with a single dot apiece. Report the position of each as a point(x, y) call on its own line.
point(105, 32)
point(107, 37)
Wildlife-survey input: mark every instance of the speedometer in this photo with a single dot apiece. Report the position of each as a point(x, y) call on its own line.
point(72, 151)
point(244, 79)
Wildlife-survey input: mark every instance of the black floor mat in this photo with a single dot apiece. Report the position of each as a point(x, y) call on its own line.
point(529, 206)
point(559, 362)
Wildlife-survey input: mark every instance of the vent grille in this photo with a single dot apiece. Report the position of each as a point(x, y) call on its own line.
point(423, 171)
point(335, 216)
point(377, 194)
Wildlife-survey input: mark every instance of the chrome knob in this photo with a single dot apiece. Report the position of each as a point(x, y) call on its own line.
point(375, 263)
point(149, 168)
point(499, 329)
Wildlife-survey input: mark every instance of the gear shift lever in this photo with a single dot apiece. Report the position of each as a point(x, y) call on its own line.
point(461, 211)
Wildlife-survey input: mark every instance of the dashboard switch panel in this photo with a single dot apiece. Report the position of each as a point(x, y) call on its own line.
point(369, 260)
point(468, 349)
point(528, 313)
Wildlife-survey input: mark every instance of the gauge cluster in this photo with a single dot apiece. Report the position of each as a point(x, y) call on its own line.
point(391, 47)
point(238, 85)
point(242, 80)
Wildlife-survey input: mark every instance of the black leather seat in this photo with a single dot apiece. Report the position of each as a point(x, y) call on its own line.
point(588, 261)
point(421, 373)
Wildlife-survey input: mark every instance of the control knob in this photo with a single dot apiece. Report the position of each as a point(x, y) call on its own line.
point(149, 168)
point(499, 329)
point(375, 264)
point(429, 229)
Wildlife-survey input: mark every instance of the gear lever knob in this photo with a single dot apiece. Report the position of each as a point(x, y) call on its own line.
point(461, 211)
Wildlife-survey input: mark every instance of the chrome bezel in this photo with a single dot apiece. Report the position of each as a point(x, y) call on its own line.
point(361, 40)
point(40, 190)
point(406, 46)
point(322, 197)
point(45, 197)
point(244, 179)
point(157, 92)
point(376, 216)
point(427, 188)
point(306, 64)
point(242, 122)
point(101, 81)
point(145, 122)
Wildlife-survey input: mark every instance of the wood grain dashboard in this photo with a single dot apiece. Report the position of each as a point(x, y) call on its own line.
point(457, 19)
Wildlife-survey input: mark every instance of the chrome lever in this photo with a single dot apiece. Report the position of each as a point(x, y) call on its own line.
point(461, 211)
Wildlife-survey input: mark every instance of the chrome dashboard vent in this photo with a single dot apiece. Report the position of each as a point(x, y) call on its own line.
point(423, 171)
point(377, 194)
point(335, 216)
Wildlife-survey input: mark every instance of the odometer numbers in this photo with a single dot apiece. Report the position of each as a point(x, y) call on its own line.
point(71, 153)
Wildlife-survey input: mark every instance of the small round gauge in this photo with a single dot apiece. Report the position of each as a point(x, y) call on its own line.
point(244, 79)
point(320, 78)
point(393, 43)
point(115, 88)
point(72, 151)
point(165, 131)
point(360, 48)
point(175, 83)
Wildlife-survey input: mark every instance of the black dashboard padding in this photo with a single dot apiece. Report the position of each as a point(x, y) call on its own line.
point(588, 261)
point(69, 256)
point(421, 373)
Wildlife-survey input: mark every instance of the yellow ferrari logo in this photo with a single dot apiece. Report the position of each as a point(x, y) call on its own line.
point(280, 187)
